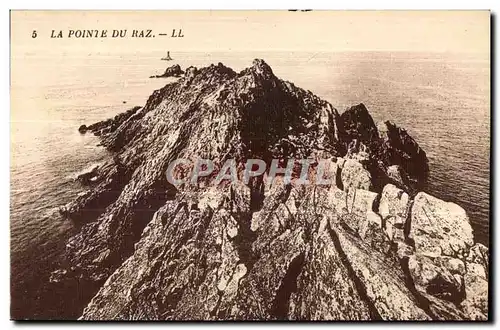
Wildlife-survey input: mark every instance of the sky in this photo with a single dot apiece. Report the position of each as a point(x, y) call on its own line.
point(412, 31)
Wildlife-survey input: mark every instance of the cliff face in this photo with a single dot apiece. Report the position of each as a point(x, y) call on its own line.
point(367, 246)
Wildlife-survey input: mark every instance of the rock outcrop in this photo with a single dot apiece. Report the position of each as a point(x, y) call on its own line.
point(394, 209)
point(453, 235)
point(172, 71)
point(359, 248)
point(109, 125)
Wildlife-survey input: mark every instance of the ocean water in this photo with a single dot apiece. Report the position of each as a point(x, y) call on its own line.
point(441, 99)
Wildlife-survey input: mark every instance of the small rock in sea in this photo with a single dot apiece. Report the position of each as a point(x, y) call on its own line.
point(57, 275)
point(124, 102)
point(172, 71)
point(89, 176)
point(82, 129)
point(63, 210)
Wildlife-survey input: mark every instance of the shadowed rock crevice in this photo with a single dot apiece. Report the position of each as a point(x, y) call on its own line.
point(288, 286)
point(361, 289)
point(338, 179)
point(407, 224)
point(423, 302)
point(245, 238)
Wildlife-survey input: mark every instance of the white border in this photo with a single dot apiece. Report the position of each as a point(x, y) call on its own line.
point(256, 4)
point(191, 4)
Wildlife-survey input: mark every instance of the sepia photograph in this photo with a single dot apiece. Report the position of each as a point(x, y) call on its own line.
point(250, 165)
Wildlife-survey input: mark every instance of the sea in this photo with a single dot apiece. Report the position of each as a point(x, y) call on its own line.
point(441, 99)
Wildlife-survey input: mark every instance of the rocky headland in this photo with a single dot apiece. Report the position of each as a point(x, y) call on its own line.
point(370, 246)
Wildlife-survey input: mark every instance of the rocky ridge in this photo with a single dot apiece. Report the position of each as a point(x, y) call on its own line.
point(370, 246)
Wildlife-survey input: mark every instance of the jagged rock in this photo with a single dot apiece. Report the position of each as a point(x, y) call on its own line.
point(388, 151)
point(88, 176)
point(399, 148)
point(340, 162)
point(360, 216)
point(362, 202)
point(452, 275)
point(355, 176)
point(58, 275)
point(332, 295)
point(330, 172)
point(381, 281)
point(263, 220)
point(338, 199)
point(476, 269)
point(399, 177)
point(191, 72)
point(393, 208)
point(357, 124)
point(178, 248)
point(261, 293)
point(442, 309)
point(172, 71)
point(436, 276)
point(404, 250)
point(371, 233)
point(82, 129)
point(109, 125)
point(358, 151)
point(479, 254)
point(475, 303)
point(439, 227)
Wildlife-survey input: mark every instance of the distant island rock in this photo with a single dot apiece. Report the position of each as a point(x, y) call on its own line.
point(172, 71)
point(369, 246)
